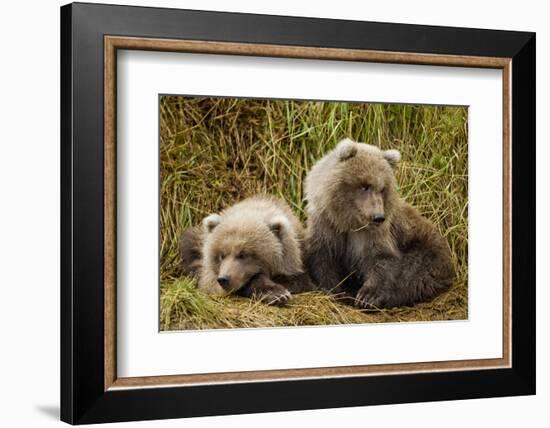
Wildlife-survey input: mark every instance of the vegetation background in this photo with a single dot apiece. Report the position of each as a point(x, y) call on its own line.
point(217, 151)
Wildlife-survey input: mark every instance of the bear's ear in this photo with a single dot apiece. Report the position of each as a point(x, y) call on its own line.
point(346, 149)
point(279, 225)
point(392, 156)
point(211, 222)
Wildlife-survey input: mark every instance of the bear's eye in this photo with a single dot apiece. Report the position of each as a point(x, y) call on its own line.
point(221, 256)
point(365, 187)
point(242, 255)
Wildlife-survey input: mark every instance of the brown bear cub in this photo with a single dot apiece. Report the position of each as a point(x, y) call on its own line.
point(252, 249)
point(363, 240)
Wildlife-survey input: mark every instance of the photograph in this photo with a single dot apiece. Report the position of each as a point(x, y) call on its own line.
point(289, 212)
point(272, 212)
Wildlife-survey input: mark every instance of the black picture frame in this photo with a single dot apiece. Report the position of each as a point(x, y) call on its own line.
point(83, 396)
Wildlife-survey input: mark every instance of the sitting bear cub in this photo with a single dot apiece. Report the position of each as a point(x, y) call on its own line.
point(252, 249)
point(363, 240)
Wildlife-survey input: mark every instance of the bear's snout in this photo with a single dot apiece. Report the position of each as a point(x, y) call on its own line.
point(224, 281)
point(378, 218)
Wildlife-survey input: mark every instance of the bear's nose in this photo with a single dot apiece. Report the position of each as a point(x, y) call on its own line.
point(223, 281)
point(378, 218)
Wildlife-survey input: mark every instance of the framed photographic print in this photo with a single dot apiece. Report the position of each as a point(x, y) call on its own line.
point(265, 213)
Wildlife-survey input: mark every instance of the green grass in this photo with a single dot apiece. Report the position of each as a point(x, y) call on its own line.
point(215, 152)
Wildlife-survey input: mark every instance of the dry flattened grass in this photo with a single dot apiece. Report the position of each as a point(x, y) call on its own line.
point(217, 151)
point(186, 308)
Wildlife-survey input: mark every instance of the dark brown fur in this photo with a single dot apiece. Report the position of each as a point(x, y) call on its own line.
point(191, 250)
point(400, 261)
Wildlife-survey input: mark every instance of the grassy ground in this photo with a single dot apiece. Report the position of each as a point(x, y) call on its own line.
point(214, 152)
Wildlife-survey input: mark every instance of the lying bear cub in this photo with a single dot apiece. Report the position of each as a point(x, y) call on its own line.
point(252, 249)
point(363, 240)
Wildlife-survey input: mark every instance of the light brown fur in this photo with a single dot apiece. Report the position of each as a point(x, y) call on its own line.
point(246, 247)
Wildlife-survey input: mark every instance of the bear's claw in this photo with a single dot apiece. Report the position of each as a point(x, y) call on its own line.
point(369, 297)
point(277, 298)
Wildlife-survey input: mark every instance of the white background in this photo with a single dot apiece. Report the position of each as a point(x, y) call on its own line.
point(29, 226)
point(143, 351)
